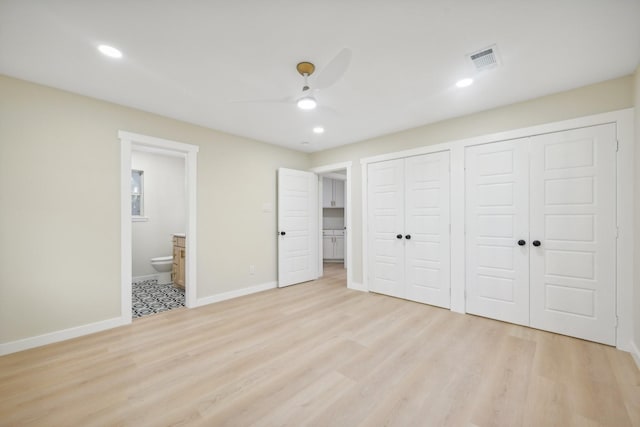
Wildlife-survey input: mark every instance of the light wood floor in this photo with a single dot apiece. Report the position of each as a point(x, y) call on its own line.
point(320, 354)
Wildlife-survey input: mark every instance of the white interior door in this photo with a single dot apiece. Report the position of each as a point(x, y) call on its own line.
point(497, 229)
point(427, 247)
point(386, 223)
point(573, 199)
point(297, 226)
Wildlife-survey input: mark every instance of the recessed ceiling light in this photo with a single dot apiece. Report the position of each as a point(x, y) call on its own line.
point(307, 103)
point(318, 129)
point(109, 51)
point(305, 143)
point(464, 82)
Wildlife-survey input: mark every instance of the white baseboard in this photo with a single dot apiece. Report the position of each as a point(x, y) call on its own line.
point(358, 287)
point(635, 352)
point(57, 336)
point(235, 294)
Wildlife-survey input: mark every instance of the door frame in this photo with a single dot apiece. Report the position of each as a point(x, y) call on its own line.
point(135, 142)
point(624, 120)
point(348, 183)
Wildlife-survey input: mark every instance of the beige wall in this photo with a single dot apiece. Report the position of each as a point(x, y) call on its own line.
point(602, 97)
point(59, 195)
point(60, 207)
point(636, 288)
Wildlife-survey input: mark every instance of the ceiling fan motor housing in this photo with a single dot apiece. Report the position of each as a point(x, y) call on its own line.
point(305, 68)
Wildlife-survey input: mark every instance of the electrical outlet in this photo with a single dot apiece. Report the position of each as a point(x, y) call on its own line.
point(252, 270)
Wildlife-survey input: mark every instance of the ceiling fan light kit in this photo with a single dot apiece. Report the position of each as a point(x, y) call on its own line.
point(307, 103)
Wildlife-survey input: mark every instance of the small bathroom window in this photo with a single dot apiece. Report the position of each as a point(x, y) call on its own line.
point(137, 195)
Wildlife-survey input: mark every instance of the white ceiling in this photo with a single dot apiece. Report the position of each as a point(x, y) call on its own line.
point(193, 60)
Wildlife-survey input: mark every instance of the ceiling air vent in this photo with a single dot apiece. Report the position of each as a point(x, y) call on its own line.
point(484, 59)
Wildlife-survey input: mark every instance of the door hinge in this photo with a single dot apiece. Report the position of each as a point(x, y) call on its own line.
point(617, 145)
point(616, 324)
point(617, 232)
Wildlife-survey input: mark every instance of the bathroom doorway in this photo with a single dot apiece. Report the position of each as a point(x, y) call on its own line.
point(158, 213)
point(158, 179)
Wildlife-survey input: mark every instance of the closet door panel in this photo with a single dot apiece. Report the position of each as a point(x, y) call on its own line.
point(496, 218)
point(385, 222)
point(427, 252)
point(573, 216)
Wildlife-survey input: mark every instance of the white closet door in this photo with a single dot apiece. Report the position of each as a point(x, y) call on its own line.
point(427, 254)
point(386, 222)
point(497, 267)
point(573, 199)
point(297, 226)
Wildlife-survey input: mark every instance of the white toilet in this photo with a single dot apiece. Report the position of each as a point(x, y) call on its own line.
point(162, 265)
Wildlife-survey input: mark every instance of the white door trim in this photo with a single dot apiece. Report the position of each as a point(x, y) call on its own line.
point(624, 120)
point(348, 207)
point(132, 141)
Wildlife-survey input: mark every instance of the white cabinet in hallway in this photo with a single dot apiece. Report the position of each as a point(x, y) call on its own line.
point(338, 242)
point(332, 193)
point(409, 236)
point(541, 232)
point(333, 244)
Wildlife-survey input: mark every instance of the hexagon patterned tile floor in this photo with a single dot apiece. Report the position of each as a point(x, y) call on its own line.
point(149, 297)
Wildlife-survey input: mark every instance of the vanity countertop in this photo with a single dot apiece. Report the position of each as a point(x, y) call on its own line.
point(180, 234)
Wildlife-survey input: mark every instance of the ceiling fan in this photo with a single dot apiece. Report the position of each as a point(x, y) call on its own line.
point(328, 76)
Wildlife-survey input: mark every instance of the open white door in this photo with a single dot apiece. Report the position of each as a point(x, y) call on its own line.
point(297, 226)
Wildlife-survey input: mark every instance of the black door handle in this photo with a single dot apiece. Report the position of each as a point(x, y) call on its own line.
point(536, 243)
point(282, 233)
point(521, 242)
point(408, 237)
point(398, 236)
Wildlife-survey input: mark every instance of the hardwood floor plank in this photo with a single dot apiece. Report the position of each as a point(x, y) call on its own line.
point(319, 354)
point(309, 402)
point(502, 399)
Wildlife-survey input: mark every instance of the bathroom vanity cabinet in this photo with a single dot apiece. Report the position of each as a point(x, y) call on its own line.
point(177, 272)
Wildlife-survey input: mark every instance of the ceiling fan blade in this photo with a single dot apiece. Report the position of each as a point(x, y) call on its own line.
point(334, 70)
